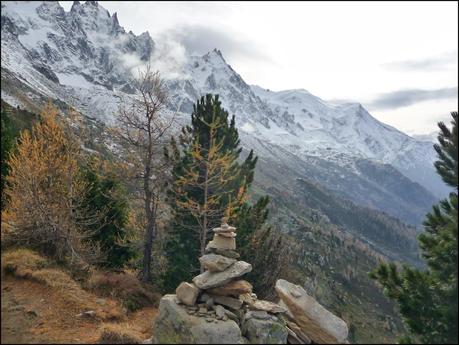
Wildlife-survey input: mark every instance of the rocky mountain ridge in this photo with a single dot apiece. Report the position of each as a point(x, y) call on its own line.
point(85, 59)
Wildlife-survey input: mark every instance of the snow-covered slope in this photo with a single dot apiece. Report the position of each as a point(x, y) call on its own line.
point(321, 129)
point(84, 58)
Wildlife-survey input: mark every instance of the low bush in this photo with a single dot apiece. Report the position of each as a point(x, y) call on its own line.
point(125, 287)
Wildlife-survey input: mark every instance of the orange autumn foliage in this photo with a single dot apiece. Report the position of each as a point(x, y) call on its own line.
point(45, 191)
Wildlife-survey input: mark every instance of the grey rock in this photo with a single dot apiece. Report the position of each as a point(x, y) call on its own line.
point(288, 313)
point(257, 314)
point(247, 298)
point(264, 331)
point(220, 311)
point(268, 306)
point(208, 280)
point(174, 325)
point(298, 332)
point(231, 302)
point(231, 315)
point(215, 262)
point(320, 325)
point(210, 303)
point(233, 288)
point(293, 338)
point(220, 242)
point(228, 253)
point(187, 293)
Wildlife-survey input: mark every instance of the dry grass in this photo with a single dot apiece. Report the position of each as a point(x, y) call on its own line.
point(41, 285)
point(124, 287)
point(118, 334)
point(22, 262)
point(26, 264)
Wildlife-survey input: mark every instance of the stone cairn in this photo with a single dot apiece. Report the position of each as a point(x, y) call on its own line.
point(220, 307)
point(219, 287)
point(219, 293)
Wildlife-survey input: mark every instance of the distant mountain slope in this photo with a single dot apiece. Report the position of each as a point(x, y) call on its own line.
point(308, 200)
point(84, 58)
point(334, 242)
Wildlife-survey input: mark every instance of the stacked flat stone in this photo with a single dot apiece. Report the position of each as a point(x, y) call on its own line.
point(220, 283)
point(220, 295)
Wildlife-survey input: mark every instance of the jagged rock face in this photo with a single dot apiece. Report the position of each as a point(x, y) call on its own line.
point(175, 326)
point(85, 42)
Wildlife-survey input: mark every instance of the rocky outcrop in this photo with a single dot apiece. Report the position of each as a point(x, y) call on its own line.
point(315, 321)
point(177, 325)
point(263, 328)
point(220, 308)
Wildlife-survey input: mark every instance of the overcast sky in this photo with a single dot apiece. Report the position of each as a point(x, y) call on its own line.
point(399, 59)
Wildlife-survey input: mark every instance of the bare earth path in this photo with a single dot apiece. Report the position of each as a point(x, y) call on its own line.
point(33, 313)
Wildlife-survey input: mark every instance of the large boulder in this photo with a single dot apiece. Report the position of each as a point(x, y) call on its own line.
point(320, 325)
point(208, 280)
point(262, 328)
point(174, 325)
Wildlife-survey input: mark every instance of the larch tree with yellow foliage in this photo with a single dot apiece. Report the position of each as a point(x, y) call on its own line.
point(209, 174)
point(46, 191)
point(208, 183)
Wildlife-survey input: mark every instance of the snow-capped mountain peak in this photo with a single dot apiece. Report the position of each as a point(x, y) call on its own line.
point(84, 57)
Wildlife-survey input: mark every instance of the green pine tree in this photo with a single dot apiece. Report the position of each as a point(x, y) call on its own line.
point(183, 246)
point(106, 197)
point(428, 300)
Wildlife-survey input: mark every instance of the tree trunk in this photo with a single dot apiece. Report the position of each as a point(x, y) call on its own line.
point(150, 228)
point(204, 221)
point(149, 236)
point(148, 247)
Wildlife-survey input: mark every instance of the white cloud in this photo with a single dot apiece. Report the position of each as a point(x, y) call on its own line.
point(336, 50)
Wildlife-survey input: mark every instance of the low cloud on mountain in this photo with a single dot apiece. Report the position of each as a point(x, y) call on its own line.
point(404, 98)
point(200, 39)
point(436, 63)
